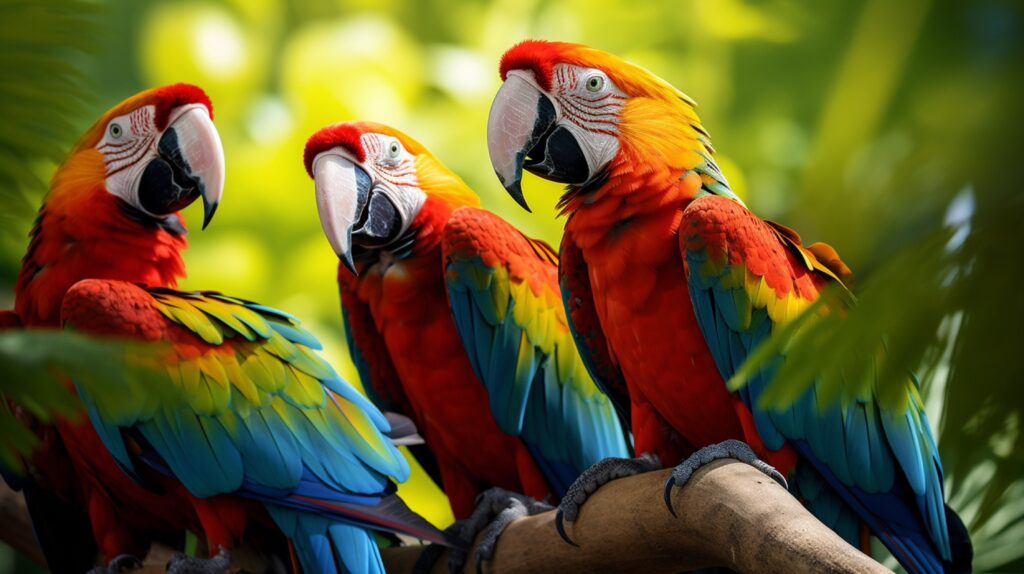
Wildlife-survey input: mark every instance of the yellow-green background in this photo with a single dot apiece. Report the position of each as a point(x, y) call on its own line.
point(840, 119)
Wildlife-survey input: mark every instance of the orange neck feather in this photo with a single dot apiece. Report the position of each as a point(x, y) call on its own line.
point(445, 193)
point(661, 143)
point(83, 232)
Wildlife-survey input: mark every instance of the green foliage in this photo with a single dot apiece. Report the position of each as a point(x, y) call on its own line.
point(43, 97)
point(36, 367)
point(933, 228)
point(856, 123)
point(40, 46)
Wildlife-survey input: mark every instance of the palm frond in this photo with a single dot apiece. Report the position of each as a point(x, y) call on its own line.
point(42, 96)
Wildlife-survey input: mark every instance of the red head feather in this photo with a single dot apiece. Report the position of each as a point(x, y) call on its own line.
point(538, 56)
point(436, 180)
point(167, 98)
point(347, 135)
point(344, 135)
point(541, 57)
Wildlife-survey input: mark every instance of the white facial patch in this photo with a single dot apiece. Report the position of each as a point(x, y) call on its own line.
point(589, 104)
point(126, 142)
point(393, 170)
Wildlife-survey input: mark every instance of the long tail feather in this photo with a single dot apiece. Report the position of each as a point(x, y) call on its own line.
point(324, 546)
point(959, 543)
point(391, 515)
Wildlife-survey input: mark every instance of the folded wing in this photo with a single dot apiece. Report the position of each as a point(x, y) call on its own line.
point(748, 277)
point(504, 294)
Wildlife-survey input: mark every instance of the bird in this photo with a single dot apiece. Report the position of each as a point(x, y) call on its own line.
point(454, 318)
point(240, 428)
point(670, 282)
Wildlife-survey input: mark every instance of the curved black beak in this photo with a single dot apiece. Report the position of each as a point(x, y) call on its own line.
point(523, 132)
point(189, 164)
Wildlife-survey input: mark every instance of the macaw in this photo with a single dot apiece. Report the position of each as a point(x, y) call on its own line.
point(454, 318)
point(670, 283)
point(241, 427)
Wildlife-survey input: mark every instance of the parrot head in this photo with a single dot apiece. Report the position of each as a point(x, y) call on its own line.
point(374, 184)
point(570, 113)
point(159, 152)
point(112, 208)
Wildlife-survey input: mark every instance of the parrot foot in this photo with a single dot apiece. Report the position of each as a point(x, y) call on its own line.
point(496, 508)
point(731, 448)
point(182, 564)
point(601, 473)
point(121, 563)
point(499, 508)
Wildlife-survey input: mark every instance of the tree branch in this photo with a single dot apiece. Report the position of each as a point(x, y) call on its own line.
point(729, 514)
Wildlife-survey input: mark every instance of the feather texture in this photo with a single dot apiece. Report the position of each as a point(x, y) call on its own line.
point(747, 278)
point(242, 404)
point(508, 311)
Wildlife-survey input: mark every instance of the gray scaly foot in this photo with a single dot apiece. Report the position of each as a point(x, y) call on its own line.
point(122, 563)
point(182, 564)
point(495, 509)
point(508, 506)
point(601, 473)
point(731, 448)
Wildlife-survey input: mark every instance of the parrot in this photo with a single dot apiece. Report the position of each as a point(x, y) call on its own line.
point(670, 282)
point(238, 427)
point(454, 318)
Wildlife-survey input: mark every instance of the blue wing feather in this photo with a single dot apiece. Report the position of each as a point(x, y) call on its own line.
point(565, 421)
point(326, 458)
point(854, 447)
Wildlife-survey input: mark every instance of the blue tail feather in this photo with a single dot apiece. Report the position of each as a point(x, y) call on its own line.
point(888, 514)
point(327, 547)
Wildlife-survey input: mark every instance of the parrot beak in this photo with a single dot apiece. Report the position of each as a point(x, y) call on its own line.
point(342, 194)
point(189, 163)
point(523, 132)
point(203, 154)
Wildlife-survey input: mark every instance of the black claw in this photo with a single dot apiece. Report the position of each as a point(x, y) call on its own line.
point(430, 555)
point(560, 527)
point(671, 482)
point(479, 564)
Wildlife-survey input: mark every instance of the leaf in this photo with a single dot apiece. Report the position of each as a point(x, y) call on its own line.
point(40, 79)
point(37, 367)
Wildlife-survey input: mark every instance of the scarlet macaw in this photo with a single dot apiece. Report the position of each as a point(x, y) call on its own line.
point(242, 424)
point(454, 318)
point(670, 283)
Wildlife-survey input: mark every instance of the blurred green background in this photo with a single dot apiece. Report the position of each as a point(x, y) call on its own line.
point(858, 123)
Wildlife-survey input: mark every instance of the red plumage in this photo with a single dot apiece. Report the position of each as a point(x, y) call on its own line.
point(396, 320)
point(83, 232)
point(167, 98)
point(641, 300)
point(673, 283)
point(536, 56)
point(345, 135)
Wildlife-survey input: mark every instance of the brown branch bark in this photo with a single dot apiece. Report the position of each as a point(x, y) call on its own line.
point(729, 514)
point(15, 528)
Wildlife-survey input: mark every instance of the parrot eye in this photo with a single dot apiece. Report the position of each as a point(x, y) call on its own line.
point(595, 83)
point(115, 130)
point(394, 150)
